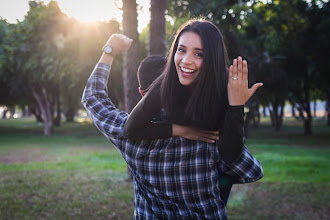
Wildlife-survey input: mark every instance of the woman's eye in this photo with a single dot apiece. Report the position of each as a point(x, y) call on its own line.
point(199, 54)
point(181, 50)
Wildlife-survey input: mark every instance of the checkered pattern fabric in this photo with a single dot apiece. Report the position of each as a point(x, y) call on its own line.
point(174, 178)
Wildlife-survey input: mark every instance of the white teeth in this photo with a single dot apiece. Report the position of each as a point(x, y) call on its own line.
point(186, 70)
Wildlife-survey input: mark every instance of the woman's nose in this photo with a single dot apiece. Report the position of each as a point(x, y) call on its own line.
point(187, 59)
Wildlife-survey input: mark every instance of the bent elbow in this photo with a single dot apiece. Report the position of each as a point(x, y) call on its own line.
point(83, 101)
point(84, 98)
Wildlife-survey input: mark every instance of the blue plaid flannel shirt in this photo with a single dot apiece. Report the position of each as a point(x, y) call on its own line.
point(174, 178)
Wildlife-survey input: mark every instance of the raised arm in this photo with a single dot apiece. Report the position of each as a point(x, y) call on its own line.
point(108, 119)
point(231, 140)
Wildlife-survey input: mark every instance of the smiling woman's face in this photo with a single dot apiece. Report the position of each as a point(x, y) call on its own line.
point(189, 58)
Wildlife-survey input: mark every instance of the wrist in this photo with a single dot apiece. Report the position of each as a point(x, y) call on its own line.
point(176, 130)
point(106, 58)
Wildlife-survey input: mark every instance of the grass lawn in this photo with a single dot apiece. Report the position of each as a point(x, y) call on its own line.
point(78, 174)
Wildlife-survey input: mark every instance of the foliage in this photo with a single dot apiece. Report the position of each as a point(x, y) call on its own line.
point(279, 40)
point(47, 58)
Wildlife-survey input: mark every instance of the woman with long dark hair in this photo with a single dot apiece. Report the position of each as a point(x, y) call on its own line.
point(198, 93)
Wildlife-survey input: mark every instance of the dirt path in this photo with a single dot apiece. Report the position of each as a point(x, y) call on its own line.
point(25, 155)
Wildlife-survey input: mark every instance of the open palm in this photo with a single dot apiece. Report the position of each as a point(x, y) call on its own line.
point(238, 90)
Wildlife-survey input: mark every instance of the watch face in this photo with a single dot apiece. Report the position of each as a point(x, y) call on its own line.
point(107, 49)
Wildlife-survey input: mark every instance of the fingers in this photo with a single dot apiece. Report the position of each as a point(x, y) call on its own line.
point(245, 71)
point(213, 132)
point(206, 136)
point(234, 69)
point(238, 71)
point(120, 43)
point(209, 136)
point(254, 88)
point(239, 67)
point(231, 73)
point(207, 140)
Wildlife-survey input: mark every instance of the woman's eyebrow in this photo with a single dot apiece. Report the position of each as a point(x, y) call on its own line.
point(196, 48)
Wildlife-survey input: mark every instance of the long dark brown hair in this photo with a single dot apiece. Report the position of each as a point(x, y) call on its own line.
point(206, 105)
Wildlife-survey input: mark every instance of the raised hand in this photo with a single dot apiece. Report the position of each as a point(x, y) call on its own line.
point(238, 90)
point(194, 133)
point(120, 43)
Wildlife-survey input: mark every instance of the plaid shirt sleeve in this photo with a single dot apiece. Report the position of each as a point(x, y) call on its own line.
point(107, 118)
point(245, 169)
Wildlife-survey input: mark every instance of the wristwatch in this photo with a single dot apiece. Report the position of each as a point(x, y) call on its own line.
point(107, 49)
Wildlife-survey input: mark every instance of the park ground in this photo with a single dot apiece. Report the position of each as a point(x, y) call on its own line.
point(78, 174)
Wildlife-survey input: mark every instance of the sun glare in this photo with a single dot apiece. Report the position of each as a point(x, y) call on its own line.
point(83, 10)
point(102, 10)
point(88, 11)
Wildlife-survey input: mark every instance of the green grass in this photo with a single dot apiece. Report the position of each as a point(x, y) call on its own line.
point(78, 174)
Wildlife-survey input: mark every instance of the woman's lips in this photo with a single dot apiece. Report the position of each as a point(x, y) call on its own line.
point(186, 73)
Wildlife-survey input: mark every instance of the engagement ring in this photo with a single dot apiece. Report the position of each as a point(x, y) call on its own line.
point(234, 78)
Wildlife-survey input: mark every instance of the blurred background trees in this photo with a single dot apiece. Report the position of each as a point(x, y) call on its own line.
point(45, 59)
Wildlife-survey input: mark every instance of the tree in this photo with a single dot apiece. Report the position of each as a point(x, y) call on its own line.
point(157, 27)
point(132, 57)
point(30, 57)
point(79, 48)
point(46, 59)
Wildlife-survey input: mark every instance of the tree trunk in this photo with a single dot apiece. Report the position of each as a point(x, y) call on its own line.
point(277, 115)
point(256, 118)
point(57, 121)
point(308, 126)
point(4, 114)
point(132, 57)
point(36, 112)
point(157, 27)
point(308, 123)
point(45, 107)
point(69, 110)
point(272, 117)
point(24, 111)
point(264, 111)
point(293, 112)
point(12, 111)
point(280, 118)
point(69, 116)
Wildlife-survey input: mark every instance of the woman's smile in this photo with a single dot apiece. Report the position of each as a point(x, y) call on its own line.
point(186, 73)
point(189, 58)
